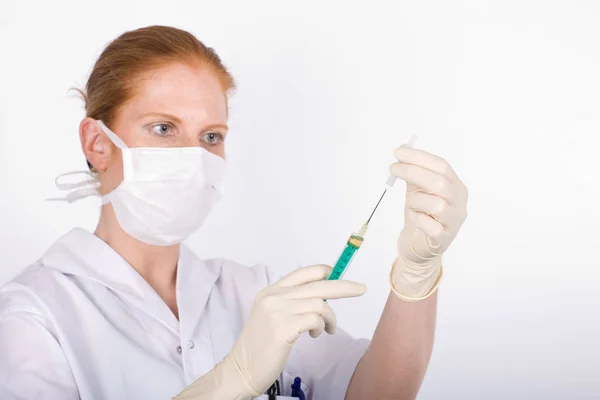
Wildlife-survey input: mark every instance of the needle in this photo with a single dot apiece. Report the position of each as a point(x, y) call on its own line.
point(389, 183)
point(381, 198)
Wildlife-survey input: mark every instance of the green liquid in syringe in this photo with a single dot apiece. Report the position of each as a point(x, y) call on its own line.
point(340, 266)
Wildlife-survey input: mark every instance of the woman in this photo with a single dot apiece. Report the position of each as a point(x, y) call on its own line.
point(128, 312)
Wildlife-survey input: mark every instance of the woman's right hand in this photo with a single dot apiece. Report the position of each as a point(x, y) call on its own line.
point(281, 312)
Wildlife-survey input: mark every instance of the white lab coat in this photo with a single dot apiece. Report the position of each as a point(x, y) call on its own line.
point(82, 323)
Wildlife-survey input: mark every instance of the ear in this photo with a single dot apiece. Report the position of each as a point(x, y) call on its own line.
point(94, 144)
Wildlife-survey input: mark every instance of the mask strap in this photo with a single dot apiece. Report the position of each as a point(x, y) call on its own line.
point(107, 198)
point(75, 195)
point(91, 185)
point(92, 179)
point(112, 136)
point(77, 190)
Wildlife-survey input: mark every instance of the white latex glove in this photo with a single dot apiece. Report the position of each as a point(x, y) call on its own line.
point(435, 209)
point(281, 312)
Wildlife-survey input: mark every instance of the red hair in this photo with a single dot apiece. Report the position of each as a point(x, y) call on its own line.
point(112, 81)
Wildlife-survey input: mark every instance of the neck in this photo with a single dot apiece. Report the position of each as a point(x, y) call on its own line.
point(156, 264)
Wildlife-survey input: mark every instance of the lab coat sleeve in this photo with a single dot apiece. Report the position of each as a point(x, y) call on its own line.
point(32, 364)
point(325, 364)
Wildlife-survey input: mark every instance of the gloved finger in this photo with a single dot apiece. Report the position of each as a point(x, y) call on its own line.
point(426, 203)
point(431, 182)
point(426, 160)
point(308, 322)
point(427, 225)
point(315, 333)
point(325, 289)
point(304, 275)
point(317, 306)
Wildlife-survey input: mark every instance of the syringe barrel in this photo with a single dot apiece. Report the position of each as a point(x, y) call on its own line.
point(352, 245)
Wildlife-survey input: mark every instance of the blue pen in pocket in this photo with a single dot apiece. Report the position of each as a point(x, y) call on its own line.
point(297, 389)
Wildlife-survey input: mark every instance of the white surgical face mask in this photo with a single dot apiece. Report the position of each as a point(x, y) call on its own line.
point(166, 193)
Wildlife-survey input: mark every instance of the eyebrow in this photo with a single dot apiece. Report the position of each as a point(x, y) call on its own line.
point(178, 121)
point(160, 114)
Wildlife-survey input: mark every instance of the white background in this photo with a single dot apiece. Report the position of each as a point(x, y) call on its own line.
point(507, 91)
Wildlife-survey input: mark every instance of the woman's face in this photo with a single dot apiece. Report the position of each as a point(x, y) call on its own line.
point(174, 106)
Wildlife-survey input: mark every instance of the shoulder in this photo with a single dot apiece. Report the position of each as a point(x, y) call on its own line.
point(23, 316)
point(47, 278)
point(20, 295)
point(28, 338)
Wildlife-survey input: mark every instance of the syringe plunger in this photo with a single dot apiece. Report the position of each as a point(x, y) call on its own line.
point(392, 179)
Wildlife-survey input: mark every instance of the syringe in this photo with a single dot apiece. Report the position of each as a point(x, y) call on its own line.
point(356, 239)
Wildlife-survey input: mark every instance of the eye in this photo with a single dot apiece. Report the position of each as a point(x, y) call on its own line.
point(213, 138)
point(162, 129)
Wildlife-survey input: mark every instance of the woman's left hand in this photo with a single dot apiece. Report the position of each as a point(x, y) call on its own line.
point(435, 209)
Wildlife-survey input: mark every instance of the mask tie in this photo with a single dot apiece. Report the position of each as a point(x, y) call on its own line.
point(90, 186)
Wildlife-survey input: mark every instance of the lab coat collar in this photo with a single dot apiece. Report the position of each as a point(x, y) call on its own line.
point(83, 254)
point(195, 282)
